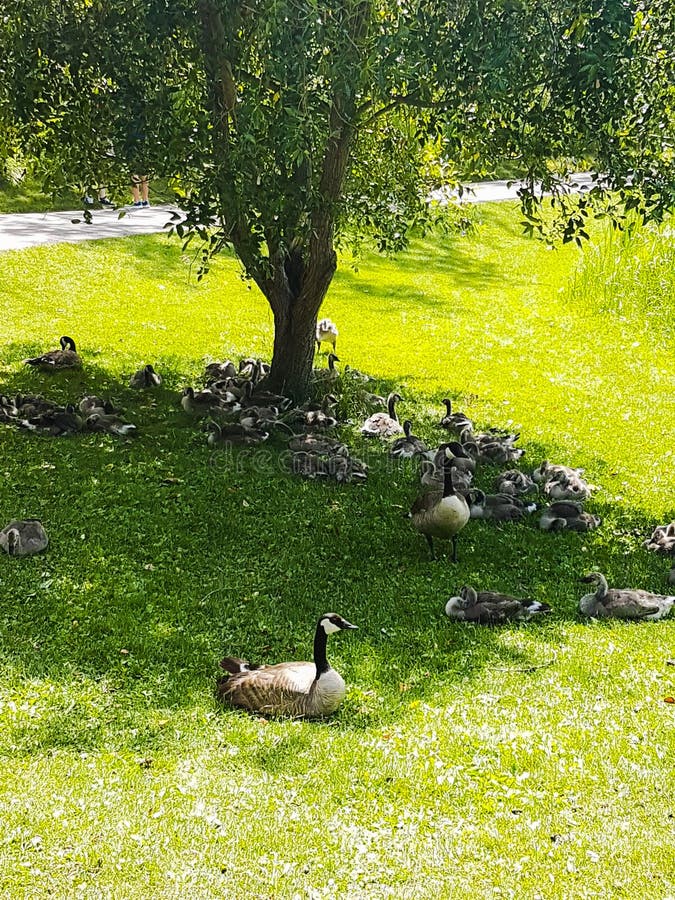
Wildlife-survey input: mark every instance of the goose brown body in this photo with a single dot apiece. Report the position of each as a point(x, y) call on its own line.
point(65, 358)
point(491, 607)
point(441, 514)
point(622, 603)
point(300, 689)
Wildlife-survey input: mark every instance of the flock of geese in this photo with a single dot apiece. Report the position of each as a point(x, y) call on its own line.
point(236, 410)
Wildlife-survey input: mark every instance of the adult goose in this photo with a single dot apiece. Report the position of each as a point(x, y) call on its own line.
point(454, 422)
point(145, 379)
point(23, 537)
point(381, 424)
point(326, 331)
point(441, 514)
point(492, 608)
point(624, 603)
point(408, 446)
point(300, 689)
point(65, 358)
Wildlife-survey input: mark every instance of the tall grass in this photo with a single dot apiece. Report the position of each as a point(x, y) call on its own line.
point(631, 274)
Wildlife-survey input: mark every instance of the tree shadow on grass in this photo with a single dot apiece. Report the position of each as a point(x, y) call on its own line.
point(164, 558)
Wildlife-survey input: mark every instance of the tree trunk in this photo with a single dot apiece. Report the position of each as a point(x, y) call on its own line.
point(294, 333)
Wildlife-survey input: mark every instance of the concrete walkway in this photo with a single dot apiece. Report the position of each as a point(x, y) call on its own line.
point(22, 230)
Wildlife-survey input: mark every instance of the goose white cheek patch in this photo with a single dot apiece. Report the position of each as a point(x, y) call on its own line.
point(329, 627)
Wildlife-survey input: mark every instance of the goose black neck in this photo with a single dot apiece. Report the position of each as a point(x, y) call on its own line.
point(392, 409)
point(320, 658)
point(448, 486)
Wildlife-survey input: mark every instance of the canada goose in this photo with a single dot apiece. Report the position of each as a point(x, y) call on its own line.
point(567, 487)
point(330, 373)
point(65, 358)
point(58, 421)
point(309, 465)
point(145, 379)
point(307, 689)
point(199, 404)
point(455, 422)
point(441, 514)
point(491, 608)
point(326, 330)
point(317, 416)
point(409, 446)
point(490, 447)
point(625, 603)
point(255, 396)
point(354, 374)
point(547, 470)
point(515, 483)
point(564, 514)
point(381, 424)
point(218, 371)
point(497, 507)
point(23, 537)
point(30, 407)
point(93, 404)
point(310, 443)
point(109, 424)
point(662, 539)
point(234, 435)
point(463, 462)
point(345, 469)
point(8, 408)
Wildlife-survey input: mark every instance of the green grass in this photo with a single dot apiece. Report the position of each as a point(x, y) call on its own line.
point(517, 762)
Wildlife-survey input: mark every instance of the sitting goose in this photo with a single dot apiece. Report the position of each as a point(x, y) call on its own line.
point(65, 358)
point(547, 470)
point(381, 424)
point(330, 373)
point(567, 487)
point(57, 421)
point(409, 446)
point(514, 482)
point(319, 416)
point(441, 514)
point(326, 331)
point(310, 443)
point(91, 404)
point(199, 404)
point(564, 514)
point(23, 537)
point(109, 424)
point(490, 447)
point(145, 379)
point(662, 539)
point(217, 371)
point(234, 435)
point(498, 507)
point(454, 422)
point(625, 603)
point(491, 608)
point(307, 689)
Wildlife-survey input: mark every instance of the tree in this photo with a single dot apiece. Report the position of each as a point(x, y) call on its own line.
point(292, 128)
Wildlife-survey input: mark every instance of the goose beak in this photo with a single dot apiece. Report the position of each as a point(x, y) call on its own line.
point(346, 624)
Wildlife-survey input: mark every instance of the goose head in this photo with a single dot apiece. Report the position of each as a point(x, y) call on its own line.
point(67, 343)
point(13, 538)
point(407, 428)
point(332, 359)
point(392, 400)
point(332, 622)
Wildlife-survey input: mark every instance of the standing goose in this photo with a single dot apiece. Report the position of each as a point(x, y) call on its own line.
point(65, 358)
point(454, 422)
point(381, 424)
point(145, 379)
point(307, 689)
point(491, 608)
point(624, 603)
point(326, 330)
point(23, 537)
point(408, 446)
point(441, 514)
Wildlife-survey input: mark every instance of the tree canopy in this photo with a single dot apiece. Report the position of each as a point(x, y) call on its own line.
point(290, 127)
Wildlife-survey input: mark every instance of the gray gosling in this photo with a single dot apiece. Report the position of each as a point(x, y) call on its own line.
point(408, 446)
point(492, 608)
point(145, 379)
point(567, 515)
point(624, 603)
point(23, 537)
point(299, 689)
point(498, 507)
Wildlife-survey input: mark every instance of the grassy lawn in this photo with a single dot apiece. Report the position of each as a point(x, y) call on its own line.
point(524, 762)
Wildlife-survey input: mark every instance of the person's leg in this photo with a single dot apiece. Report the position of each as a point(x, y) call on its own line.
point(136, 190)
point(145, 188)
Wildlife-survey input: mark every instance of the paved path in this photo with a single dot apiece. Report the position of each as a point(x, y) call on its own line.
point(22, 230)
